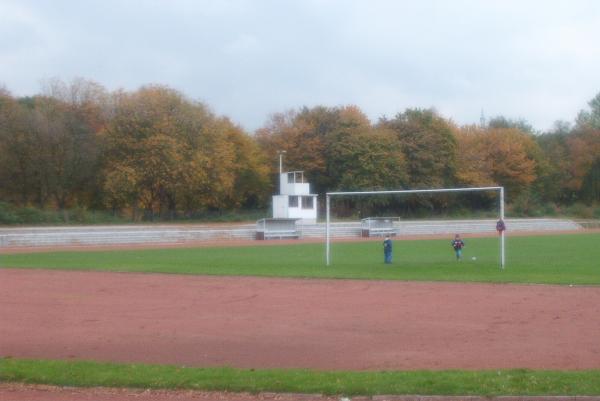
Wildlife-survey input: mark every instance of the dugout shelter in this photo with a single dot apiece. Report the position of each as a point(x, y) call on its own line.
point(277, 228)
point(378, 226)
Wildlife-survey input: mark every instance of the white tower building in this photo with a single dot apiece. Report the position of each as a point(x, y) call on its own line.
point(295, 200)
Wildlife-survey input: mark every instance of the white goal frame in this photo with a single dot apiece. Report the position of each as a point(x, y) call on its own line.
point(500, 190)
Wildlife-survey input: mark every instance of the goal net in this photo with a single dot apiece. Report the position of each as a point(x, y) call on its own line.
point(384, 225)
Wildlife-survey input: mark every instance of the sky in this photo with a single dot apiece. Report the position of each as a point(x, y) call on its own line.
point(248, 59)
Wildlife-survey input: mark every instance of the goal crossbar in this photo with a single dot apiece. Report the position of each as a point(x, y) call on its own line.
point(329, 195)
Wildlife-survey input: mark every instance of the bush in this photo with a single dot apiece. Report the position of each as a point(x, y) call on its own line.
point(580, 210)
point(32, 215)
point(7, 214)
point(11, 215)
point(550, 209)
point(226, 216)
point(596, 212)
point(81, 215)
point(527, 205)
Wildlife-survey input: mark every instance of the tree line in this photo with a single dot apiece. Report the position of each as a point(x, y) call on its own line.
point(154, 152)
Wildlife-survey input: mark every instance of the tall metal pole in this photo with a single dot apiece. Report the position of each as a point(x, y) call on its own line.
point(280, 163)
point(327, 206)
point(502, 255)
point(281, 152)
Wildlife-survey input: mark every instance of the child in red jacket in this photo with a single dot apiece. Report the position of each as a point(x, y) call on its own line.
point(458, 245)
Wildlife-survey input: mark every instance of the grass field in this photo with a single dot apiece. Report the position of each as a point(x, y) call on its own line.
point(449, 382)
point(554, 259)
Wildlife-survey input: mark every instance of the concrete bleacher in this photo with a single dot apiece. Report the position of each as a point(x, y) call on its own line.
point(110, 235)
point(445, 227)
point(148, 234)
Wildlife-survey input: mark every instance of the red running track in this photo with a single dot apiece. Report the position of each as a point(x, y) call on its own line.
point(290, 323)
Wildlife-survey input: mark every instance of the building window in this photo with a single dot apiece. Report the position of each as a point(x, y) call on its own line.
point(295, 177)
point(307, 202)
point(293, 201)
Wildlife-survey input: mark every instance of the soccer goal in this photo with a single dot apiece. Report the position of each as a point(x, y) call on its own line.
point(500, 226)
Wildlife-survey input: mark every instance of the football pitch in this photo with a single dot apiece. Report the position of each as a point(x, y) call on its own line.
point(432, 322)
point(551, 259)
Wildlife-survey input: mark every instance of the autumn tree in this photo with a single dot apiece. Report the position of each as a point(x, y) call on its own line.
point(329, 145)
point(338, 149)
point(157, 151)
point(472, 158)
point(511, 159)
point(143, 149)
point(302, 135)
point(507, 157)
point(229, 171)
point(165, 153)
point(251, 169)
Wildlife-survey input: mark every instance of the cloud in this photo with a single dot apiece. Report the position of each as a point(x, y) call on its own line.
point(250, 58)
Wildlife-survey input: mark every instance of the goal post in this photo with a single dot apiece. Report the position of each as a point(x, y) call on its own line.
point(329, 195)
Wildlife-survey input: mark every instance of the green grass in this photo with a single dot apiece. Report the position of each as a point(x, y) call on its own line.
point(556, 259)
point(565, 259)
point(450, 382)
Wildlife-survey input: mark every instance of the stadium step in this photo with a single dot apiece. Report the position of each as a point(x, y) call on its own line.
point(146, 234)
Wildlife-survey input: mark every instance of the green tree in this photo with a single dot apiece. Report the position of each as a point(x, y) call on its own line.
point(67, 119)
point(584, 150)
point(553, 182)
point(367, 161)
point(584, 145)
point(17, 152)
point(429, 146)
point(590, 118)
point(503, 122)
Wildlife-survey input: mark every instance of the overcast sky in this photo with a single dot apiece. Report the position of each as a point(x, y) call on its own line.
point(536, 60)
